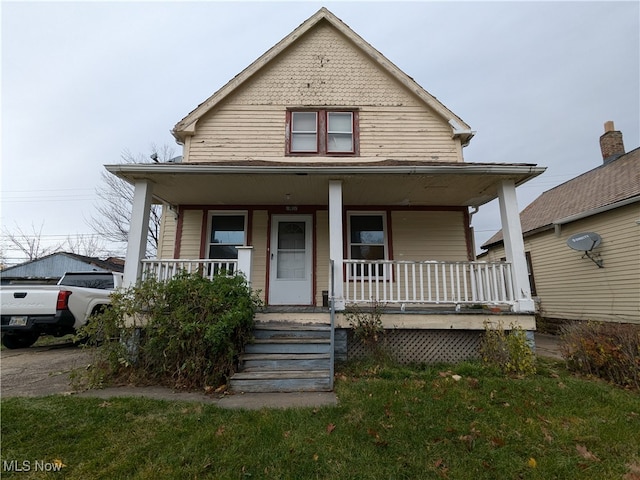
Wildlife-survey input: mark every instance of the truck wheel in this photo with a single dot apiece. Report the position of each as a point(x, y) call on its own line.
point(21, 340)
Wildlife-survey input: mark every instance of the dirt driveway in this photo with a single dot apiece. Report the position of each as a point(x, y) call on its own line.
point(37, 371)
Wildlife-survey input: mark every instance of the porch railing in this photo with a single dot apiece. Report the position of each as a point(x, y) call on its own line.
point(428, 282)
point(163, 270)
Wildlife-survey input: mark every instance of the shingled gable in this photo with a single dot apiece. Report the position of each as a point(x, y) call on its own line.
point(187, 126)
point(615, 183)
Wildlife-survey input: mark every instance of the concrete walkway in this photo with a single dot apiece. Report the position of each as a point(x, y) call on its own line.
point(246, 401)
point(548, 346)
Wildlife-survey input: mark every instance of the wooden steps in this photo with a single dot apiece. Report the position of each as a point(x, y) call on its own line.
point(286, 357)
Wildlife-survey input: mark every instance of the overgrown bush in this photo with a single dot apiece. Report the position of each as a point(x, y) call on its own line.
point(608, 350)
point(367, 328)
point(509, 351)
point(185, 333)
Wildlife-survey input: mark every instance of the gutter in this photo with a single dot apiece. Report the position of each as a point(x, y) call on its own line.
point(595, 211)
point(195, 169)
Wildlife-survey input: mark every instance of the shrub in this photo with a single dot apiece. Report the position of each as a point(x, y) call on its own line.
point(508, 350)
point(608, 350)
point(367, 328)
point(185, 333)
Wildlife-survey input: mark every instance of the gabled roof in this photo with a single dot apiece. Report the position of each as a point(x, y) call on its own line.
point(111, 264)
point(187, 125)
point(615, 183)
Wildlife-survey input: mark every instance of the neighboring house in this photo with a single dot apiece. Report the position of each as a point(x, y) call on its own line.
point(323, 151)
point(603, 284)
point(51, 268)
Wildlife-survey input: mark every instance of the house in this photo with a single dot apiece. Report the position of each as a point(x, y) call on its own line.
point(600, 281)
point(50, 268)
point(328, 176)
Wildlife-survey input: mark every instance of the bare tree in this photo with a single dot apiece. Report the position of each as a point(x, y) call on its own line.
point(114, 210)
point(29, 244)
point(87, 245)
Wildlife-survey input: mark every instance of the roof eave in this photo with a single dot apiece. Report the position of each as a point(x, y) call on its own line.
point(469, 168)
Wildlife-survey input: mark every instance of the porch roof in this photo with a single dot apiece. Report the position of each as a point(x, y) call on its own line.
point(374, 182)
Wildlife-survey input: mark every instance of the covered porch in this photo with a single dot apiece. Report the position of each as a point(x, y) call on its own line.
point(298, 188)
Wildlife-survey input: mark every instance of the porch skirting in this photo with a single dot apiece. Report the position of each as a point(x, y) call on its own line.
point(407, 346)
point(411, 336)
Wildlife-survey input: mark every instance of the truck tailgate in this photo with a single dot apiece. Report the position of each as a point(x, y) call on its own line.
point(29, 299)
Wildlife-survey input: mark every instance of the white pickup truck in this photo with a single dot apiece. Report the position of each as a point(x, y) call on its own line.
point(28, 311)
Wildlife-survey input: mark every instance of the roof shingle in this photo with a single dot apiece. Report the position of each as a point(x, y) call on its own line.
point(609, 183)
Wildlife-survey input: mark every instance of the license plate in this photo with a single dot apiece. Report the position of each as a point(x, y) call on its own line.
point(18, 321)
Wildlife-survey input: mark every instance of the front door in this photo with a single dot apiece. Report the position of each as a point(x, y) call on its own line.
point(290, 274)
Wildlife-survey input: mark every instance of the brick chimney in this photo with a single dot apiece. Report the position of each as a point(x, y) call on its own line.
point(611, 143)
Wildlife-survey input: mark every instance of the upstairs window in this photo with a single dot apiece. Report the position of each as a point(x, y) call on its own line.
point(322, 132)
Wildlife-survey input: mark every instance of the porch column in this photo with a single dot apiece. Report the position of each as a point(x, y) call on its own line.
point(335, 240)
point(514, 245)
point(138, 231)
point(244, 262)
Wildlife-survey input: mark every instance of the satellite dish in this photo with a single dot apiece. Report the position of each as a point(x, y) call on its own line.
point(584, 242)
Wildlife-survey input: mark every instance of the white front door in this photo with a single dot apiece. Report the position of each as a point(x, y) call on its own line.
point(290, 274)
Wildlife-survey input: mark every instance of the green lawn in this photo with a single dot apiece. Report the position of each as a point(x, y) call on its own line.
point(391, 422)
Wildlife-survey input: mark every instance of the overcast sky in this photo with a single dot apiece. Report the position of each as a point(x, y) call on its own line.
point(83, 82)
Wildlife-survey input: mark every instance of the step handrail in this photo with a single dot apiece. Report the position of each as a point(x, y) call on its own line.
point(332, 315)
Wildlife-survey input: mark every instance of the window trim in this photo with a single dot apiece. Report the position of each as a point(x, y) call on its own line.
point(385, 232)
point(322, 132)
point(225, 213)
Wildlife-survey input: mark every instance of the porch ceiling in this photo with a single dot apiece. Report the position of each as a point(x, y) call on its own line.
point(461, 184)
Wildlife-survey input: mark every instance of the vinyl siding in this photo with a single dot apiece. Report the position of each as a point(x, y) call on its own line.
point(260, 255)
point(324, 69)
point(191, 234)
point(426, 235)
point(322, 254)
point(167, 240)
point(571, 287)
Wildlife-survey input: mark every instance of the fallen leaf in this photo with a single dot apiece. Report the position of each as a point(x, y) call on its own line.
point(220, 389)
point(58, 463)
point(547, 436)
point(586, 454)
point(438, 463)
point(105, 404)
point(634, 467)
point(287, 434)
point(497, 442)
point(468, 440)
point(220, 431)
point(532, 463)
point(457, 378)
point(330, 428)
point(634, 472)
point(315, 457)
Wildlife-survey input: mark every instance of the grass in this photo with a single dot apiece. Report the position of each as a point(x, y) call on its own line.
point(391, 422)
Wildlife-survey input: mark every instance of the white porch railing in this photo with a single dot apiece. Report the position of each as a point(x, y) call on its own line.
point(163, 270)
point(428, 282)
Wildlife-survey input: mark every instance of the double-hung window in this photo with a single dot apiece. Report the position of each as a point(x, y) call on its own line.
point(226, 233)
point(322, 132)
point(367, 241)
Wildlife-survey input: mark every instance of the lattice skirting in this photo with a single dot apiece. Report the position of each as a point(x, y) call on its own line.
point(422, 346)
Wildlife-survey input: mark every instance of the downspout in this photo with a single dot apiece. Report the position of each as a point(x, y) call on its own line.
point(472, 235)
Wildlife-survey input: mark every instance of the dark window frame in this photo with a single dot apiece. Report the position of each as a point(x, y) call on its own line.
point(385, 242)
point(322, 133)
